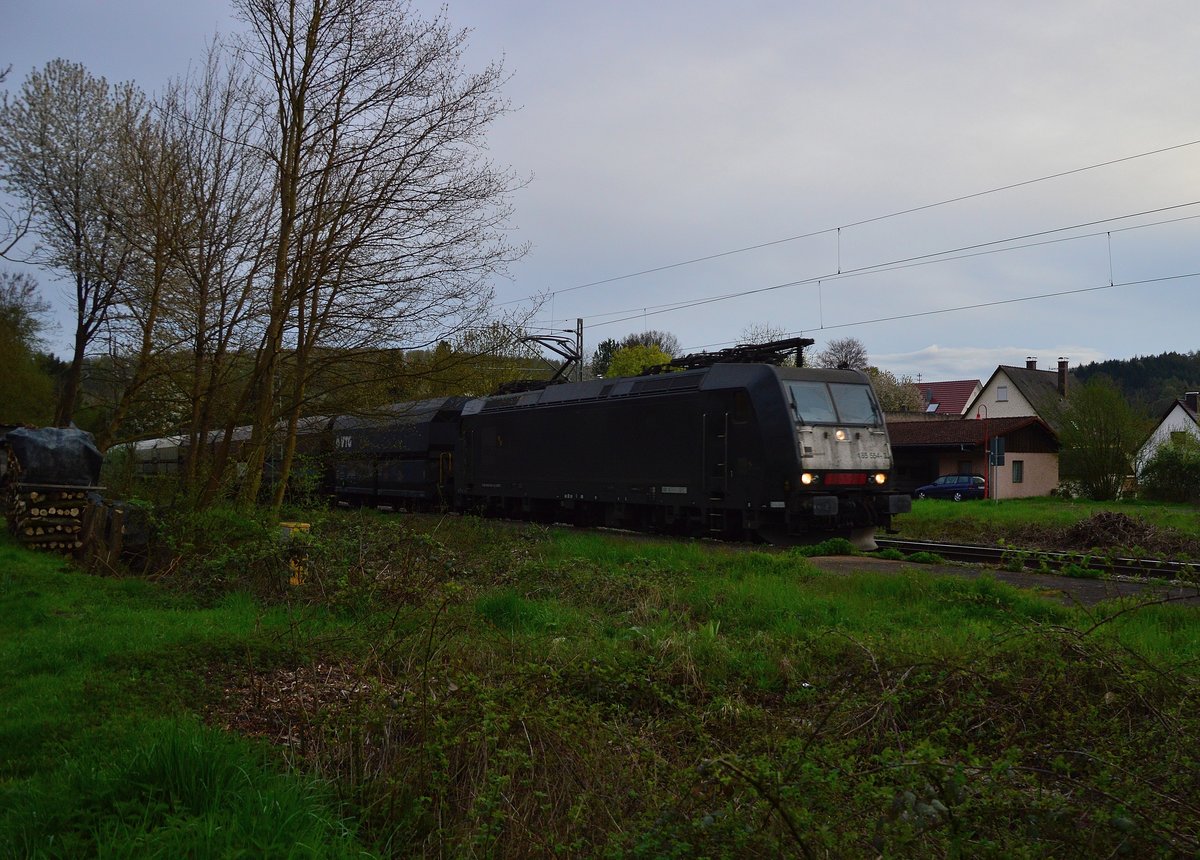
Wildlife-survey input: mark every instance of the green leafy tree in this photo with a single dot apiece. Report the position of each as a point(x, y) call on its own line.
point(632, 360)
point(662, 341)
point(1099, 433)
point(603, 356)
point(26, 389)
point(895, 393)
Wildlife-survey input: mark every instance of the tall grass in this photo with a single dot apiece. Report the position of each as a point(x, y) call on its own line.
point(170, 789)
point(100, 754)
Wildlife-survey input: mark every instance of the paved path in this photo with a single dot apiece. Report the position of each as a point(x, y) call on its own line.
point(1068, 589)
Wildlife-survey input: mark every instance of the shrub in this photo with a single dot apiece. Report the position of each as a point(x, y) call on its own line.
point(1173, 473)
point(830, 546)
point(221, 549)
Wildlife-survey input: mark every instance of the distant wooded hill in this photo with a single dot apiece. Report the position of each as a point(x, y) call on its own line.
point(1149, 382)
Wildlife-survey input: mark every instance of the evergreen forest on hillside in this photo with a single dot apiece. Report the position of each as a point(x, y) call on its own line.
point(1150, 383)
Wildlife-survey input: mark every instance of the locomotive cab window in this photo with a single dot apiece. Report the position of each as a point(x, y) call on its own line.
point(835, 403)
point(812, 402)
point(854, 403)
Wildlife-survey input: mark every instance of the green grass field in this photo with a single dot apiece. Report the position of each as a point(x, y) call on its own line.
point(467, 688)
point(1042, 520)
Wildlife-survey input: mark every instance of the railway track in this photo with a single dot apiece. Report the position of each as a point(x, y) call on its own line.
point(1078, 563)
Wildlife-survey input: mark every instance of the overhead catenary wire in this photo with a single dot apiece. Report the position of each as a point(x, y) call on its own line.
point(989, 304)
point(958, 253)
point(1018, 299)
point(861, 222)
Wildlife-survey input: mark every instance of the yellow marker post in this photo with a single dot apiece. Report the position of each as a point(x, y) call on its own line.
point(295, 561)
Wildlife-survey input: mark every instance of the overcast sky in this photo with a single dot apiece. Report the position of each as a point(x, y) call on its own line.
point(658, 133)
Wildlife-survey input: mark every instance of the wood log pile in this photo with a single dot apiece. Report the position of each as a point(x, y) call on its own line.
point(47, 517)
point(48, 481)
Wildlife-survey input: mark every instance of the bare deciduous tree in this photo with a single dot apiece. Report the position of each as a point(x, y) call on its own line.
point(844, 352)
point(765, 333)
point(13, 225)
point(147, 209)
point(665, 341)
point(224, 247)
point(388, 219)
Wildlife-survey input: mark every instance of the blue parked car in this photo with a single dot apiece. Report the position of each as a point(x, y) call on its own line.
point(956, 487)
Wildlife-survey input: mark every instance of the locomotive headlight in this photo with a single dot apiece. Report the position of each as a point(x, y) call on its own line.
point(880, 478)
point(840, 435)
point(808, 478)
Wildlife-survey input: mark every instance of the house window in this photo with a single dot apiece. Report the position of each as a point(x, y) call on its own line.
point(1001, 393)
point(1177, 436)
point(1018, 471)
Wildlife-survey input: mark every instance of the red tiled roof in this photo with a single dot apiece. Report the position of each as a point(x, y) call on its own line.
point(965, 432)
point(951, 397)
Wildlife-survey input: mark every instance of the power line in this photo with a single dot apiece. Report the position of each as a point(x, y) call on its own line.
point(859, 223)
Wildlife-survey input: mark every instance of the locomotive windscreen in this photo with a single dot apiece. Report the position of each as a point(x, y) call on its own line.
point(854, 403)
point(832, 403)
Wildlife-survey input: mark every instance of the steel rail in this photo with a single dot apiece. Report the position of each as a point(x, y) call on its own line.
point(1054, 560)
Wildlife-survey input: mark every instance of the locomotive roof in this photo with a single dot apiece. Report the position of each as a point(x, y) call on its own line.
point(715, 377)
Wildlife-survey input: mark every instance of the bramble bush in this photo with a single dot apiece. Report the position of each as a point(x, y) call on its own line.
point(221, 549)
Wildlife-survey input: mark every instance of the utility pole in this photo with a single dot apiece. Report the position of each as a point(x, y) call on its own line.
point(579, 348)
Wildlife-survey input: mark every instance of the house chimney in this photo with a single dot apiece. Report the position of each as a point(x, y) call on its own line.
point(1190, 400)
point(1062, 377)
point(1031, 362)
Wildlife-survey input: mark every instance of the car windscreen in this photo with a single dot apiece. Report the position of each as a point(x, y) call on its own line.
point(832, 403)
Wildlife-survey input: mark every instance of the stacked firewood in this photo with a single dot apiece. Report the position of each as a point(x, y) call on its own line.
point(47, 517)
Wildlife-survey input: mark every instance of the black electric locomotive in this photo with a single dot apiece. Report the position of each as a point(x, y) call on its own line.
point(731, 449)
point(724, 448)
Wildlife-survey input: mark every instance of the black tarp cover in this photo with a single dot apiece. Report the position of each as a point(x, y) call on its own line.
point(54, 455)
